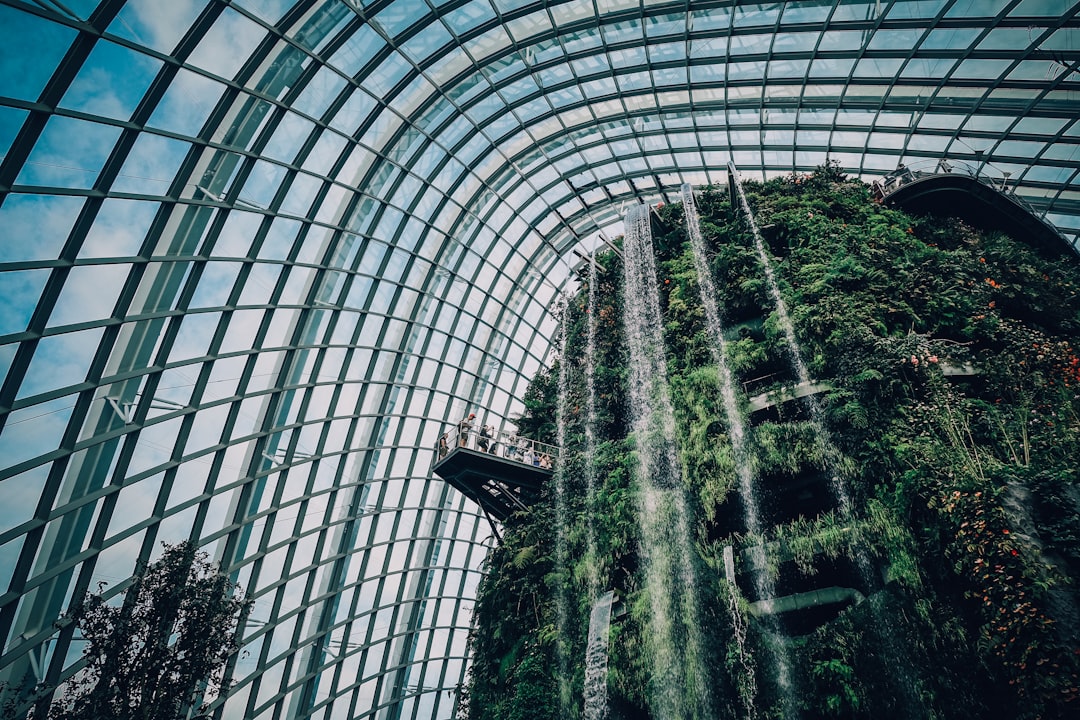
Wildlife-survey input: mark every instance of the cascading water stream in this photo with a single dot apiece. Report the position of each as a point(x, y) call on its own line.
point(562, 516)
point(590, 433)
point(895, 656)
point(748, 491)
point(679, 689)
point(802, 373)
point(596, 659)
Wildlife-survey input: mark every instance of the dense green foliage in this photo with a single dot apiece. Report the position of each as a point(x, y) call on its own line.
point(952, 413)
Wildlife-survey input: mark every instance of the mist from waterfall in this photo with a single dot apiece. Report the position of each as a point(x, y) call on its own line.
point(744, 470)
point(596, 659)
point(679, 685)
point(591, 551)
point(835, 466)
point(562, 518)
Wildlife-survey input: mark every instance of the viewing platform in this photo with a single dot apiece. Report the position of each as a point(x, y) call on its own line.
point(502, 472)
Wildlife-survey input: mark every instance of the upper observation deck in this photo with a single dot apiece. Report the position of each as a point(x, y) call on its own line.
point(957, 188)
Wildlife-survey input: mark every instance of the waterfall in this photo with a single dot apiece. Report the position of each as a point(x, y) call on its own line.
point(562, 515)
point(735, 424)
point(834, 461)
point(748, 490)
point(802, 374)
point(596, 659)
point(590, 434)
point(678, 685)
point(895, 656)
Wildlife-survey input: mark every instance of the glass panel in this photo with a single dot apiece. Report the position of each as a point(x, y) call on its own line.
point(912, 9)
point(360, 47)
point(1015, 39)
point(186, 104)
point(949, 38)
point(400, 14)
point(196, 331)
point(301, 194)
point(154, 25)
point(59, 361)
point(839, 40)
point(980, 69)
point(69, 153)
point(260, 283)
point(227, 45)
point(29, 432)
point(269, 10)
point(262, 184)
point(805, 12)
point(89, 293)
point(11, 119)
point(289, 136)
point(757, 14)
point(877, 68)
point(320, 92)
point(976, 8)
point(119, 228)
point(19, 294)
point(391, 72)
point(1051, 8)
point(469, 16)
point(902, 39)
point(934, 68)
point(215, 284)
point(31, 50)
point(111, 82)
point(36, 226)
point(151, 165)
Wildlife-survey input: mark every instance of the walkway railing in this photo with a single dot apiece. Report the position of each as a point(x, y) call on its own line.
point(906, 174)
point(509, 446)
point(926, 168)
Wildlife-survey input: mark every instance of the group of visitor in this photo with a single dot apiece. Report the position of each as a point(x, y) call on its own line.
point(484, 437)
point(515, 448)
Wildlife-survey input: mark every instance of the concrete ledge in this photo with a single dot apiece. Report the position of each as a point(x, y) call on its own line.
point(782, 395)
point(806, 600)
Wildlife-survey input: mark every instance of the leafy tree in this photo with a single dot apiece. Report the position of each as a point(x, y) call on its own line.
point(164, 648)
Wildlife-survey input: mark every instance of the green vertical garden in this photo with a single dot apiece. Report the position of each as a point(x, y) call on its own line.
point(945, 358)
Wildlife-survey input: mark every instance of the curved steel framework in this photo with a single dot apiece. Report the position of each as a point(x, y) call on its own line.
point(256, 254)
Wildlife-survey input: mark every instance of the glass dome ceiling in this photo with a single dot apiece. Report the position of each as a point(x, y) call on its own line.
point(257, 255)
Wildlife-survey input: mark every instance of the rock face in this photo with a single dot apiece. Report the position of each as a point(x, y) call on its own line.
point(1062, 604)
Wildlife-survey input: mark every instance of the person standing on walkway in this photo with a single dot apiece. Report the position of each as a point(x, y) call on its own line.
point(463, 430)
